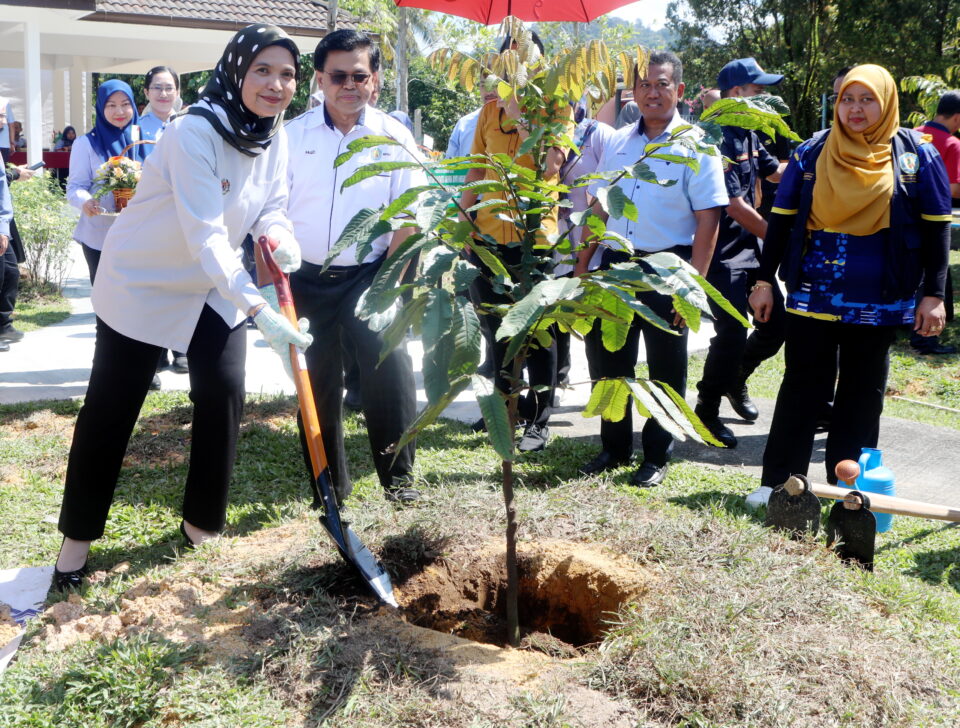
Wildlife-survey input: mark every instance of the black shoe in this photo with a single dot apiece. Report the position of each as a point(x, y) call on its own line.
point(935, 348)
point(405, 495)
point(534, 438)
point(739, 399)
point(649, 475)
point(709, 417)
point(63, 580)
point(4, 346)
point(603, 462)
point(180, 365)
point(155, 383)
point(351, 400)
point(479, 426)
point(8, 333)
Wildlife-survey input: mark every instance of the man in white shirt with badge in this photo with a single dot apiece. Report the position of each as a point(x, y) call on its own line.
point(683, 219)
point(347, 63)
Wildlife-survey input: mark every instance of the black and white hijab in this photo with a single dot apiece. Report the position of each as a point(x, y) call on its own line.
point(220, 99)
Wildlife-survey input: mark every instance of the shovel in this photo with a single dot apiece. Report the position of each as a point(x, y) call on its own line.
point(351, 548)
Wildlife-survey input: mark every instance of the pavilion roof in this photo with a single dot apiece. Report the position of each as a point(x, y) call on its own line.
point(300, 17)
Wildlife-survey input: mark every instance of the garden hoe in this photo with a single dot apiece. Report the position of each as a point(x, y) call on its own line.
point(347, 542)
point(851, 526)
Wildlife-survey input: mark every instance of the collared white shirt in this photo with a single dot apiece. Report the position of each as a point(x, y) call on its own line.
point(665, 218)
point(318, 209)
point(461, 138)
point(177, 245)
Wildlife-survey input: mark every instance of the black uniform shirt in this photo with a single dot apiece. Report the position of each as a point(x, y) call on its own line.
point(736, 247)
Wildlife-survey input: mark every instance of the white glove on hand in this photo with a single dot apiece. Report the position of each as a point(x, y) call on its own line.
point(269, 293)
point(280, 334)
point(287, 253)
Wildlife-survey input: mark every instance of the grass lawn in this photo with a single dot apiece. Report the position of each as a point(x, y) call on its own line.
point(36, 311)
point(738, 626)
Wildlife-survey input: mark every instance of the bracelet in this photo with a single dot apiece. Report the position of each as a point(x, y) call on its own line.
point(760, 285)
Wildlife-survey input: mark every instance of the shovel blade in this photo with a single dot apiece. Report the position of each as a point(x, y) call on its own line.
point(359, 556)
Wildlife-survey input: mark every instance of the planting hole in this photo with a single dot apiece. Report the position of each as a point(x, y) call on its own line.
point(569, 592)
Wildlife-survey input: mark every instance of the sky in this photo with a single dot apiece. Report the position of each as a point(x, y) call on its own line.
point(652, 12)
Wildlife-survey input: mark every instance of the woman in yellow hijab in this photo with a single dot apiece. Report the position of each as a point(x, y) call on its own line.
point(860, 223)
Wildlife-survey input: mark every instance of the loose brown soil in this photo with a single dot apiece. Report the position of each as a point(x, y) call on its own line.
point(568, 593)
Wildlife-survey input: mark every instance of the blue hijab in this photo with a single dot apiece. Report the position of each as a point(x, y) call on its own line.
point(106, 139)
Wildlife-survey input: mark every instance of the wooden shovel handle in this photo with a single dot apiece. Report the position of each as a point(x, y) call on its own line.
point(891, 504)
point(267, 269)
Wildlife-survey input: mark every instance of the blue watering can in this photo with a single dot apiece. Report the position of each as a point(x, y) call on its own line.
point(875, 478)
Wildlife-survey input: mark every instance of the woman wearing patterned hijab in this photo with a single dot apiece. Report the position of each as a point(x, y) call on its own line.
point(860, 222)
point(171, 277)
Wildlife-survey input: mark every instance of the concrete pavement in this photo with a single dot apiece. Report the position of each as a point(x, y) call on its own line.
point(54, 363)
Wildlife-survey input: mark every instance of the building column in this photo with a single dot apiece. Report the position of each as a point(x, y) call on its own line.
point(59, 99)
point(33, 123)
point(78, 101)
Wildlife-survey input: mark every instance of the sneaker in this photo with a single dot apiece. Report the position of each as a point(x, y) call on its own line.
point(534, 438)
point(739, 399)
point(180, 365)
point(649, 475)
point(8, 333)
point(155, 383)
point(759, 497)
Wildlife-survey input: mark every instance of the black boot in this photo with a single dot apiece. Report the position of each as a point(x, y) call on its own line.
point(739, 399)
point(709, 415)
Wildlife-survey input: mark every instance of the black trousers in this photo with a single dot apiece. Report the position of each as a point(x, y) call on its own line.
point(733, 356)
point(388, 393)
point(122, 370)
point(92, 257)
point(9, 286)
point(541, 363)
point(666, 361)
point(813, 349)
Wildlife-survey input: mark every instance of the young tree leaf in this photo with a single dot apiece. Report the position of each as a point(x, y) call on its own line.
point(372, 170)
point(493, 407)
point(358, 145)
point(364, 227)
point(609, 399)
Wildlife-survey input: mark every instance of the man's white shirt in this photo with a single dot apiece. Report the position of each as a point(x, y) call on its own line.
point(318, 208)
point(665, 218)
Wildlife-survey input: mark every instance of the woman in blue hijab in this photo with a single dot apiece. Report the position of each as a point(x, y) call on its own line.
point(117, 126)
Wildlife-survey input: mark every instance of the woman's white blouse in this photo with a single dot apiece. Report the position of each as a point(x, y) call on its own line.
point(177, 245)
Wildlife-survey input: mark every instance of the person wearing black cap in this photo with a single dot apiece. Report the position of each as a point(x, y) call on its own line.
point(735, 260)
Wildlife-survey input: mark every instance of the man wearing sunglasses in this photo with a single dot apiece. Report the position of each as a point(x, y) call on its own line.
point(347, 65)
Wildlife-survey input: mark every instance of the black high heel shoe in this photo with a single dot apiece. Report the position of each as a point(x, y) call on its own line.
point(64, 580)
point(187, 541)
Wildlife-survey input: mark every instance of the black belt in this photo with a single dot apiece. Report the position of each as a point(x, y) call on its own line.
point(332, 272)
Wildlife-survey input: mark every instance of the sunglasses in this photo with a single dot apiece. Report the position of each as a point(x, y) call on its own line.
point(339, 78)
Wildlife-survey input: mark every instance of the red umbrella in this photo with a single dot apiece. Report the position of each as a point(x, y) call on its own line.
point(489, 12)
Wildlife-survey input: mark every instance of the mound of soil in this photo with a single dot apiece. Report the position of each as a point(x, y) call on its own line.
point(568, 593)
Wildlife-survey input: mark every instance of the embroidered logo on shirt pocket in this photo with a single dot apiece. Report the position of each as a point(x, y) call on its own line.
point(225, 185)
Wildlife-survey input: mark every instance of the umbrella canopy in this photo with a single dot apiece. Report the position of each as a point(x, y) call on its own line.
point(489, 12)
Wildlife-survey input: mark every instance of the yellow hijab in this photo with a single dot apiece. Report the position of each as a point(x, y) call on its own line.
point(854, 171)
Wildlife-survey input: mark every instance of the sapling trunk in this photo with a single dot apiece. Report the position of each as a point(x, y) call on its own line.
point(513, 576)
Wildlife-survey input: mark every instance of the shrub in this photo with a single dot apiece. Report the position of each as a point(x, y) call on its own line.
point(46, 223)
